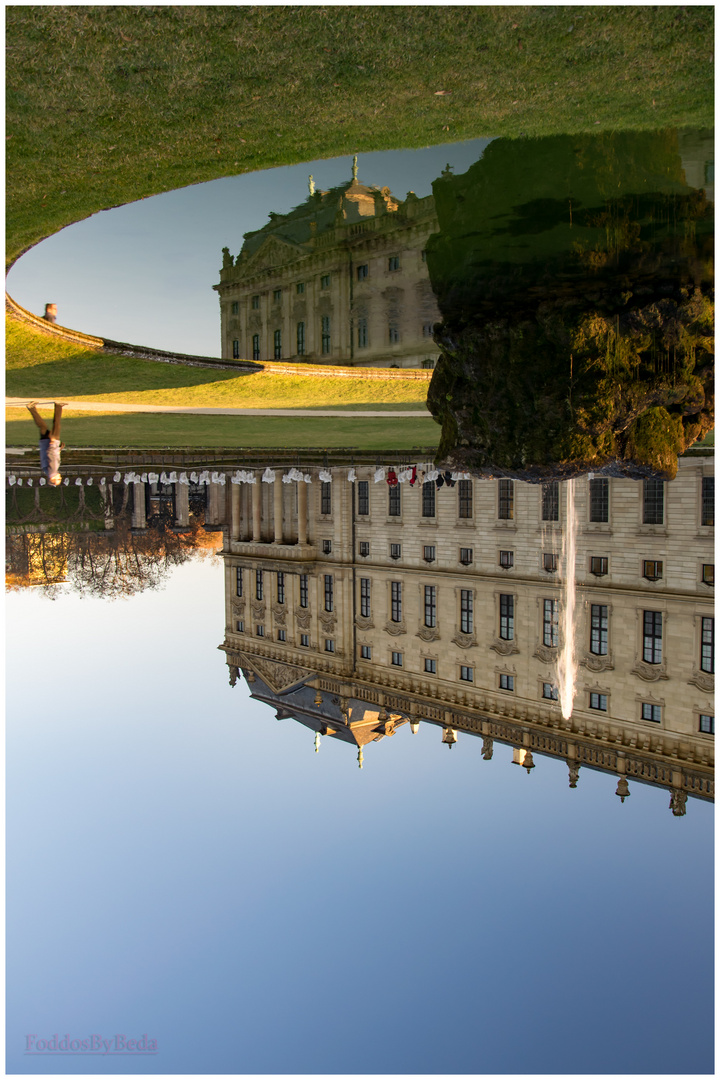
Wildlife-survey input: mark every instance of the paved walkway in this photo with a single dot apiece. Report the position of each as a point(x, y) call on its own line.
point(112, 406)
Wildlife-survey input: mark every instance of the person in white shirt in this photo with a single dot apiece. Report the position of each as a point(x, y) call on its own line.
point(50, 445)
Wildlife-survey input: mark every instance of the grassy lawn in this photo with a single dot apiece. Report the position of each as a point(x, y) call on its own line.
point(143, 430)
point(42, 366)
point(106, 105)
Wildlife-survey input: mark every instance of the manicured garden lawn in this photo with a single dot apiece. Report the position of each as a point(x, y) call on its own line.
point(143, 430)
point(46, 367)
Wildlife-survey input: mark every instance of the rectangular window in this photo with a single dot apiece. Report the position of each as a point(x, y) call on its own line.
point(431, 666)
point(393, 334)
point(362, 333)
point(652, 570)
point(707, 646)
point(599, 629)
point(278, 344)
point(507, 682)
point(256, 347)
point(365, 597)
point(707, 724)
point(325, 281)
point(430, 605)
point(599, 500)
point(282, 635)
point(366, 652)
point(428, 499)
point(505, 500)
point(652, 637)
point(651, 712)
point(507, 617)
point(507, 559)
point(362, 272)
point(258, 585)
point(328, 592)
point(329, 645)
point(429, 553)
point(465, 502)
point(394, 501)
point(395, 551)
point(255, 303)
point(551, 501)
point(363, 497)
point(364, 548)
point(397, 659)
point(240, 626)
point(301, 339)
point(550, 691)
point(550, 623)
point(277, 296)
point(326, 497)
point(281, 587)
point(238, 581)
point(466, 556)
point(708, 573)
point(236, 349)
point(303, 590)
point(327, 547)
point(466, 611)
point(466, 674)
point(394, 262)
point(234, 307)
point(325, 334)
point(427, 329)
point(708, 500)
point(300, 287)
point(550, 563)
point(260, 631)
point(598, 566)
point(599, 702)
point(396, 601)
point(305, 641)
point(653, 502)
point(428, 362)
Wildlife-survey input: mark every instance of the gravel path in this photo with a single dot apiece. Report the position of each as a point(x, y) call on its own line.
point(99, 406)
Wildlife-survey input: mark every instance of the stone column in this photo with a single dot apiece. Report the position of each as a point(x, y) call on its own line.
point(256, 505)
point(235, 521)
point(278, 507)
point(182, 506)
point(138, 514)
point(211, 511)
point(302, 512)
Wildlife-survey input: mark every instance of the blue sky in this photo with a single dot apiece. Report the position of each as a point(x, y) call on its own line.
point(144, 272)
point(182, 864)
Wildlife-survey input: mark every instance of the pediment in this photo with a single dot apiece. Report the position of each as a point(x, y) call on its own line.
point(278, 677)
point(273, 253)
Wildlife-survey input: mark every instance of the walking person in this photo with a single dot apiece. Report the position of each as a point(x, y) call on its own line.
point(50, 445)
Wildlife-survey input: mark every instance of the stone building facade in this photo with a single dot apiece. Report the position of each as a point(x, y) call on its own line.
point(446, 605)
point(341, 279)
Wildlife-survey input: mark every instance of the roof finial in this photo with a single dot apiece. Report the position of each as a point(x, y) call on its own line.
point(317, 741)
point(354, 168)
point(360, 758)
point(311, 184)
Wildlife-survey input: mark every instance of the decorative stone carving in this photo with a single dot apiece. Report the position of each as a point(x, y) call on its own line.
point(487, 748)
point(464, 641)
point(364, 623)
point(649, 672)
point(573, 773)
point(328, 623)
point(395, 628)
point(598, 663)
point(233, 674)
point(428, 633)
point(280, 677)
point(504, 648)
point(280, 613)
point(677, 802)
point(258, 609)
point(302, 618)
point(703, 681)
point(546, 654)
point(238, 607)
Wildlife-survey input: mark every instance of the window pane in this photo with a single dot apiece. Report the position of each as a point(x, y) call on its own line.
point(599, 500)
point(652, 637)
point(465, 499)
point(363, 492)
point(653, 502)
point(708, 500)
point(551, 501)
point(428, 499)
point(505, 500)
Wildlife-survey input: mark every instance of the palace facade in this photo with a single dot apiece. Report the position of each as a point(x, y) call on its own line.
point(341, 279)
point(357, 607)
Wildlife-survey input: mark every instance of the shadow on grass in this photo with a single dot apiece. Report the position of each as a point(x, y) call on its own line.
point(141, 430)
